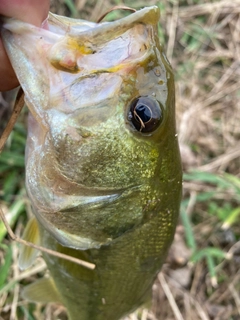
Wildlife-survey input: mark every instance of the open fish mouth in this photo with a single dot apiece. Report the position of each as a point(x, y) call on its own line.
point(69, 50)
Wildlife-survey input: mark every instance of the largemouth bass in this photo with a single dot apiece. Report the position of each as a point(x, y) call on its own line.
point(103, 169)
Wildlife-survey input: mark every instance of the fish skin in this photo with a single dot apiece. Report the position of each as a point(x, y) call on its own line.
point(100, 190)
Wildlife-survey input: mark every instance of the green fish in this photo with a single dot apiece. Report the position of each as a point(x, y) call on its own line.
point(103, 169)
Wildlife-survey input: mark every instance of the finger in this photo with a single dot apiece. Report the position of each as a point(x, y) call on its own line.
point(31, 11)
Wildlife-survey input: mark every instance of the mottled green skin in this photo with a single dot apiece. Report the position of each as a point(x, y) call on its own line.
point(125, 269)
point(101, 190)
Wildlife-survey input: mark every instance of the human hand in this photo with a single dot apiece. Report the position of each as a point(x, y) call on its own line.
point(30, 11)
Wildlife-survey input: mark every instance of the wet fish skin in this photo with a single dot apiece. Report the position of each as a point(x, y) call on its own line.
point(101, 190)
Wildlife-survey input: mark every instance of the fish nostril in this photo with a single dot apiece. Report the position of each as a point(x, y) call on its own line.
point(62, 58)
point(65, 53)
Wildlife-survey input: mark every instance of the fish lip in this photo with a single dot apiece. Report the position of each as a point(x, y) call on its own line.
point(149, 15)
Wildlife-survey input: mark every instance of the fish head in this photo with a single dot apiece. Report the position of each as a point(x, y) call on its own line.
point(102, 155)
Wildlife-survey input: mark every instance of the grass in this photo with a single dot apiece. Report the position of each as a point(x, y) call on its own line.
point(200, 279)
point(227, 214)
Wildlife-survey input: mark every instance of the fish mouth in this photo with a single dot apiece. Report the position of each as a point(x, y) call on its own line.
point(114, 29)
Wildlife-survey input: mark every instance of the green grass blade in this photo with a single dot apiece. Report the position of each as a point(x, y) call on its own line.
point(72, 8)
point(12, 159)
point(12, 215)
point(188, 228)
point(4, 269)
point(202, 254)
point(231, 219)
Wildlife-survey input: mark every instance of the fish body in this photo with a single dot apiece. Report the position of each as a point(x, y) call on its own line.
point(103, 169)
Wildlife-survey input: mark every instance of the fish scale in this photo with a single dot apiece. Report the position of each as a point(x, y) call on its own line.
point(114, 272)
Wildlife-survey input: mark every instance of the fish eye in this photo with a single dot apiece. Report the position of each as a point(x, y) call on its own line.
point(145, 114)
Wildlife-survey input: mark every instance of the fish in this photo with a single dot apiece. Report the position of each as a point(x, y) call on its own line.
point(103, 168)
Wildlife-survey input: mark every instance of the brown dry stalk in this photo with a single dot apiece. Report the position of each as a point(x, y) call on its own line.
point(170, 297)
point(16, 111)
point(52, 252)
point(13, 119)
point(16, 290)
point(113, 9)
point(38, 268)
point(172, 31)
point(206, 8)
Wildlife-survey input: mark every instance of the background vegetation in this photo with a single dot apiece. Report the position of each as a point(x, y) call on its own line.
point(200, 279)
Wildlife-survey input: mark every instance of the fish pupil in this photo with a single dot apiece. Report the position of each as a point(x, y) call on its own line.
point(145, 114)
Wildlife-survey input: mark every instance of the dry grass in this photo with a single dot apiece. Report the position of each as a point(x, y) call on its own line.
point(202, 41)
